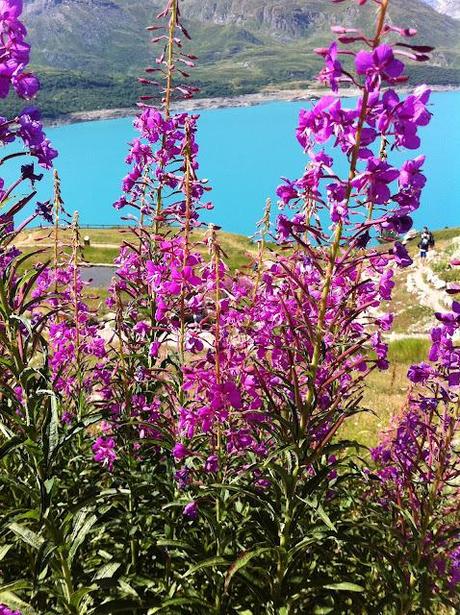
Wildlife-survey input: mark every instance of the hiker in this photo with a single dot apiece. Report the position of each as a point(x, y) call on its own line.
point(426, 242)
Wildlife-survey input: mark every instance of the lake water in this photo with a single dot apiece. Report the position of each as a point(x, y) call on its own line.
point(244, 152)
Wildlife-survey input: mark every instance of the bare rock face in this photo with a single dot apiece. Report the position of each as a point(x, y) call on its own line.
point(110, 36)
point(446, 7)
point(449, 7)
point(283, 19)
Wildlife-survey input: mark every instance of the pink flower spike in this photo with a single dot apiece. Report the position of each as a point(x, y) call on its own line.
point(342, 30)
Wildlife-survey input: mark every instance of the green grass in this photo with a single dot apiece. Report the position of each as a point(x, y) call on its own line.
point(100, 255)
point(384, 396)
point(408, 350)
point(446, 234)
point(239, 249)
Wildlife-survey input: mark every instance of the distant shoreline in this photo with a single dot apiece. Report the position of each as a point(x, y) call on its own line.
point(221, 102)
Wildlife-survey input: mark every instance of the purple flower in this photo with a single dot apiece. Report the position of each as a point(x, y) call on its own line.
point(379, 63)
point(454, 570)
point(316, 124)
point(45, 211)
point(191, 510)
point(180, 451)
point(26, 85)
point(104, 452)
point(338, 197)
point(212, 464)
point(332, 70)
point(401, 255)
point(375, 179)
point(287, 192)
point(10, 9)
point(67, 418)
point(182, 477)
point(386, 284)
point(410, 174)
point(419, 373)
point(4, 610)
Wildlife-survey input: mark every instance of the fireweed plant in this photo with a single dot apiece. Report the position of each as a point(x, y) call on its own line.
point(31, 440)
point(184, 456)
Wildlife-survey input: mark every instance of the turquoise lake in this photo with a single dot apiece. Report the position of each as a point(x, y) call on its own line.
point(244, 152)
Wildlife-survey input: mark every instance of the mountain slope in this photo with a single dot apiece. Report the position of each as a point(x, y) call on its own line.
point(109, 35)
point(243, 45)
point(447, 7)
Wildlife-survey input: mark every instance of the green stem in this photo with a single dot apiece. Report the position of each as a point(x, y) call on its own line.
point(132, 542)
point(67, 580)
point(284, 540)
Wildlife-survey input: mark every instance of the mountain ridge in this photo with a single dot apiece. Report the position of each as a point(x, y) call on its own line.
point(84, 27)
point(243, 46)
point(447, 7)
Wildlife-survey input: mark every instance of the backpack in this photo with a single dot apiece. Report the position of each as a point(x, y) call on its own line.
point(424, 243)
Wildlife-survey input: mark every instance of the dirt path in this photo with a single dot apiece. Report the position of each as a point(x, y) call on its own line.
point(429, 288)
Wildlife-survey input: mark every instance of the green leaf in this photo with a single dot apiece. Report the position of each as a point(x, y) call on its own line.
point(4, 550)
point(14, 586)
point(42, 558)
point(27, 535)
point(24, 321)
point(242, 561)
point(10, 445)
point(127, 589)
point(303, 544)
point(77, 597)
point(345, 587)
point(324, 517)
point(80, 533)
point(208, 563)
point(179, 602)
point(107, 571)
point(53, 437)
point(286, 477)
point(49, 484)
point(320, 512)
point(174, 544)
point(13, 602)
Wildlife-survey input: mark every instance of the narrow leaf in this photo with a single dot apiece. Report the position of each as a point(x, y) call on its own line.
point(107, 571)
point(242, 561)
point(27, 535)
point(209, 563)
point(345, 587)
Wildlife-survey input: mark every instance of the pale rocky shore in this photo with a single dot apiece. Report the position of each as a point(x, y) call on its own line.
point(199, 104)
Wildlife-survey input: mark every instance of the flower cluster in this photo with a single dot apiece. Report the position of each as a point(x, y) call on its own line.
point(4, 610)
point(77, 350)
point(417, 460)
point(267, 346)
point(15, 55)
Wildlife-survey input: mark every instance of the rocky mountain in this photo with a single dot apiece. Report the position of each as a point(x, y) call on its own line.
point(447, 7)
point(110, 34)
point(243, 45)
